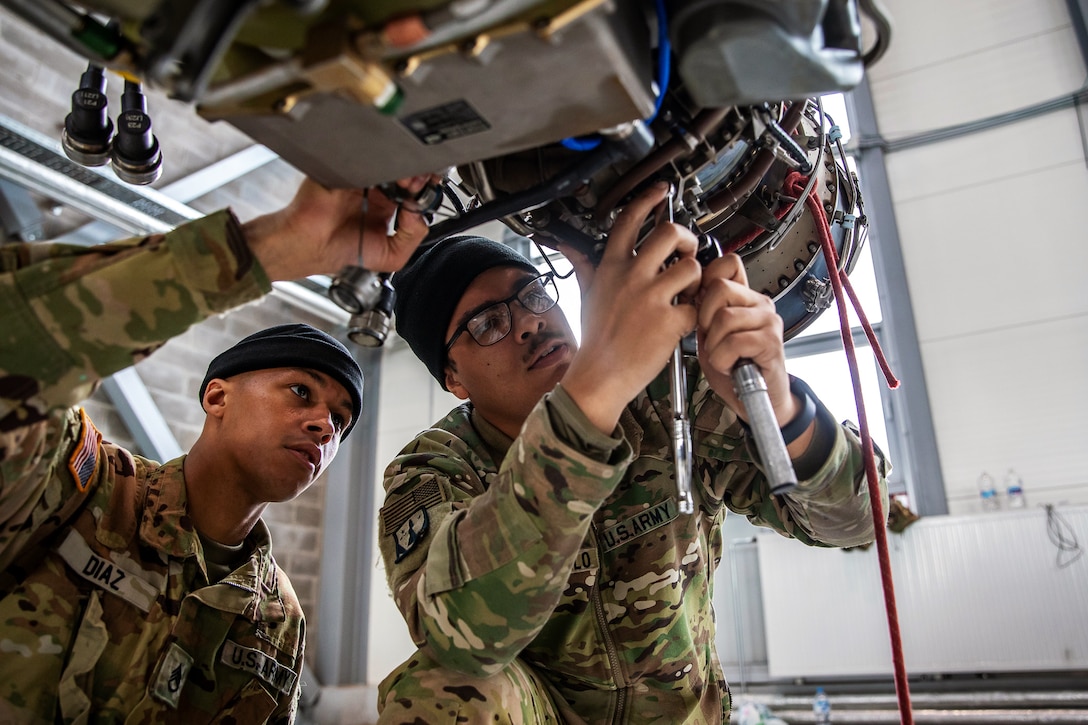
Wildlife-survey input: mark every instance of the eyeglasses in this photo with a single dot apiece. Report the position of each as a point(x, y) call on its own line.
point(493, 322)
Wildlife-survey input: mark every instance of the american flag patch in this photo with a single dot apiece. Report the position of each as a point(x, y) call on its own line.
point(424, 495)
point(84, 458)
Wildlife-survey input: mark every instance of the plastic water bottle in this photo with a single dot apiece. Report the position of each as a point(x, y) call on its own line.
point(987, 491)
point(821, 707)
point(1014, 490)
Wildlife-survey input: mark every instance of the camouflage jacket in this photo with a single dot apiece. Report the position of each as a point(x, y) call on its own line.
point(575, 558)
point(106, 613)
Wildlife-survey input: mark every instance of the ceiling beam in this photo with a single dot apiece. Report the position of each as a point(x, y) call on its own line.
point(1078, 16)
point(184, 190)
point(141, 415)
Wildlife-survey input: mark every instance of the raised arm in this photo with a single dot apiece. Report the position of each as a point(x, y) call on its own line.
point(73, 315)
point(831, 505)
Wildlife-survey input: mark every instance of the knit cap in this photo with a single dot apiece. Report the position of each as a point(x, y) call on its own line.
point(431, 285)
point(292, 345)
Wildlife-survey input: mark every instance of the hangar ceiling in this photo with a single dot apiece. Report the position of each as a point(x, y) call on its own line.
point(206, 165)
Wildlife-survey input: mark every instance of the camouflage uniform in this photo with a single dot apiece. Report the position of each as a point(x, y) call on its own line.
point(106, 613)
point(551, 578)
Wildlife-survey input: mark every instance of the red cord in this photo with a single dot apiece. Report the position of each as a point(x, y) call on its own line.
point(796, 182)
point(893, 382)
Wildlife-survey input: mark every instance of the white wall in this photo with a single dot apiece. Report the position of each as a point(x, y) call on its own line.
point(957, 612)
point(411, 401)
point(992, 239)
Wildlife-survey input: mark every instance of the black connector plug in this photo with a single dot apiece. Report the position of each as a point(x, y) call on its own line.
point(88, 128)
point(370, 328)
point(136, 155)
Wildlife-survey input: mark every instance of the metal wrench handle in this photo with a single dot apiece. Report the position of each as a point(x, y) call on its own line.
point(752, 390)
point(681, 432)
point(681, 425)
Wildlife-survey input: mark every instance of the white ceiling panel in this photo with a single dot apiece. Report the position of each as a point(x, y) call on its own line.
point(1004, 153)
point(971, 87)
point(998, 254)
point(931, 32)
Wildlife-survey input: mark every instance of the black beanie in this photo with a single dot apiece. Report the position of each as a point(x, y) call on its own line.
point(288, 346)
point(431, 285)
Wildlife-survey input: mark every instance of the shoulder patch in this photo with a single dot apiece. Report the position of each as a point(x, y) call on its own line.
point(173, 671)
point(84, 458)
point(411, 532)
point(425, 495)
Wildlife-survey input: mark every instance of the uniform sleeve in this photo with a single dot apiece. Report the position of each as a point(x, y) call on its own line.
point(72, 315)
point(477, 567)
point(286, 711)
point(829, 507)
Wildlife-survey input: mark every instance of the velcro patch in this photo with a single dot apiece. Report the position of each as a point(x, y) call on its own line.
point(84, 458)
point(426, 494)
point(411, 532)
point(255, 662)
point(173, 671)
point(587, 560)
point(124, 578)
point(641, 523)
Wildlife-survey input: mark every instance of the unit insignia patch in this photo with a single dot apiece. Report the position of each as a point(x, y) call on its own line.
point(411, 532)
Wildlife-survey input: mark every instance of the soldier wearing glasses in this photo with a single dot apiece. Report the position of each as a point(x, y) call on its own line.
point(531, 537)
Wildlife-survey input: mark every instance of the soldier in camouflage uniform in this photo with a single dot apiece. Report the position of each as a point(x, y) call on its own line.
point(532, 538)
point(137, 592)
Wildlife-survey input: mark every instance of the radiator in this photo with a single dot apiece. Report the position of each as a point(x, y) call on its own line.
point(985, 593)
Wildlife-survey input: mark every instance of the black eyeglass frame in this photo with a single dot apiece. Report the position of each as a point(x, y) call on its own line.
point(546, 279)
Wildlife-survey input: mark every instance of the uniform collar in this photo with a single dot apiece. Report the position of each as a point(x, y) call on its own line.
point(165, 523)
point(497, 442)
point(251, 590)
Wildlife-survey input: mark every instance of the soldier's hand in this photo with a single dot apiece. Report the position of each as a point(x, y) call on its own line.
point(734, 322)
point(629, 322)
point(322, 230)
